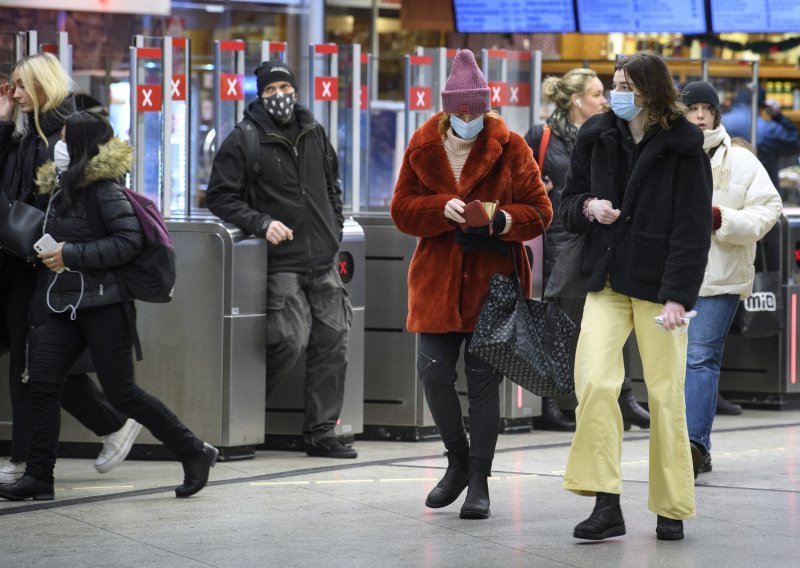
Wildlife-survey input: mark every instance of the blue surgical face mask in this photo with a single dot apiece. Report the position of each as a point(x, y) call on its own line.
point(623, 106)
point(466, 130)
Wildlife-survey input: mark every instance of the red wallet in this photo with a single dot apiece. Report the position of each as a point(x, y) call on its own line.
point(478, 214)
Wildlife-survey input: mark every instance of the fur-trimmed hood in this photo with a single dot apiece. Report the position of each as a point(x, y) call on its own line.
point(112, 162)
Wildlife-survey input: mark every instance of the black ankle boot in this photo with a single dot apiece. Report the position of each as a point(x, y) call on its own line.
point(454, 481)
point(552, 417)
point(669, 529)
point(27, 487)
point(195, 471)
point(476, 505)
point(605, 521)
point(727, 407)
point(632, 411)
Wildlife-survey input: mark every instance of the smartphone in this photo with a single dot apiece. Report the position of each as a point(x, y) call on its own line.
point(685, 319)
point(45, 244)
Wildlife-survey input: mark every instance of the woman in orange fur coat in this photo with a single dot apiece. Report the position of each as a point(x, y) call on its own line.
point(464, 154)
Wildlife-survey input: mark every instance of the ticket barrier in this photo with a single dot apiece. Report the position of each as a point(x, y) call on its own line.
point(758, 372)
point(762, 372)
point(394, 402)
point(284, 406)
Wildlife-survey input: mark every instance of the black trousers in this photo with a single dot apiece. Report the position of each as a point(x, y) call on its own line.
point(82, 398)
point(106, 332)
point(310, 315)
point(436, 366)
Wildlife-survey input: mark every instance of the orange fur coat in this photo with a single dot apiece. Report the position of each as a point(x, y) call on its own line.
point(447, 286)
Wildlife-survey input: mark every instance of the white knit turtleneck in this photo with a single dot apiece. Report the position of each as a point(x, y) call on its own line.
point(457, 151)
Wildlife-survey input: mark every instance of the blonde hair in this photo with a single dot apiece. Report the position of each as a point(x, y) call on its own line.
point(444, 120)
point(559, 90)
point(42, 72)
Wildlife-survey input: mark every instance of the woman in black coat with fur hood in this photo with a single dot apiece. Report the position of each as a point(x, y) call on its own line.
point(87, 308)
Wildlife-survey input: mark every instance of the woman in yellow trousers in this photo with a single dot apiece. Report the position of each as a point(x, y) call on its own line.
point(639, 186)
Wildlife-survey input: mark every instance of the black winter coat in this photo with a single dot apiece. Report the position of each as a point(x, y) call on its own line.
point(294, 185)
point(86, 249)
point(556, 164)
point(20, 157)
point(658, 248)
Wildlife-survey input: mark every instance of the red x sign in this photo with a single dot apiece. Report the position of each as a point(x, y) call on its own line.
point(499, 93)
point(178, 87)
point(148, 98)
point(419, 98)
point(519, 94)
point(364, 94)
point(230, 87)
point(326, 88)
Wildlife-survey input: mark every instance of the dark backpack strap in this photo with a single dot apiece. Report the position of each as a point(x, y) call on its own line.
point(252, 141)
point(95, 219)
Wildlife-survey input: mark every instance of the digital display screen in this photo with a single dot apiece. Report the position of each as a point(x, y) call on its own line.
point(514, 16)
point(647, 16)
point(758, 16)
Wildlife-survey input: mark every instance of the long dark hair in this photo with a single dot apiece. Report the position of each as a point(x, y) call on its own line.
point(84, 133)
point(652, 79)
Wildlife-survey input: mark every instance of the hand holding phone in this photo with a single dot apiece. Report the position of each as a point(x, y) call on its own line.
point(45, 244)
point(685, 319)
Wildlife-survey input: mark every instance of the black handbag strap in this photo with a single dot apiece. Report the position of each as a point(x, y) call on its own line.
point(546, 256)
point(762, 251)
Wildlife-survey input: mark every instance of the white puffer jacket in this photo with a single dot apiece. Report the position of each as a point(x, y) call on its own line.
point(749, 205)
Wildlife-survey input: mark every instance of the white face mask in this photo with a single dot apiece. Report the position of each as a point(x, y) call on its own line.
point(61, 156)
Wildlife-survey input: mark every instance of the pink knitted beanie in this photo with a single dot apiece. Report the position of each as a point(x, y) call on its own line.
point(466, 90)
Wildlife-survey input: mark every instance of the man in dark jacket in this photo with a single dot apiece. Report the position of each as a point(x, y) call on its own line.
point(776, 135)
point(291, 196)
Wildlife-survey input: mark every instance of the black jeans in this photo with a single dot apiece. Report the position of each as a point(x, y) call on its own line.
point(105, 331)
point(311, 315)
point(82, 398)
point(436, 367)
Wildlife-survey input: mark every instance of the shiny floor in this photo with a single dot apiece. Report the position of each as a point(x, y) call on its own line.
point(285, 509)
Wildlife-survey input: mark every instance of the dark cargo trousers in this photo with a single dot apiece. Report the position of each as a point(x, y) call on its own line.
point(310, 314)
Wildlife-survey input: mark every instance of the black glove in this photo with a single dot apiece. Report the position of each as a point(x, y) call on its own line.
point(478, 238)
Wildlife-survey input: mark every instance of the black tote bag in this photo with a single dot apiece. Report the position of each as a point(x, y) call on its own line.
point(20, 227)
point(566, 280)
point(760, 314)
point(526, 340)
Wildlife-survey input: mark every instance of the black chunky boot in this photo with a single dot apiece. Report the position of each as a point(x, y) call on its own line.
point(454, 481)
point(632, 411)
point(552, 417)
point(196, 470)
point(605, 521)
point(669, 529)
point(727, 407)
point(476, 505)
point(26, 487)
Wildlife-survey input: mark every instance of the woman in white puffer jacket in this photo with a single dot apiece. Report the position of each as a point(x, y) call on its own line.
point(745, 207)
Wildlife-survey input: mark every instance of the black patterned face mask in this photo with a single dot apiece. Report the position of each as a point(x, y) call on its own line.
point(281, 106)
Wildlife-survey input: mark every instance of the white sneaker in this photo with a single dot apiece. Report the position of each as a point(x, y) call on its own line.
point(11, 472)
point(116, 446)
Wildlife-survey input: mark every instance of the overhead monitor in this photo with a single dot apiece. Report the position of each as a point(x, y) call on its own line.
point(514, 16)
point(647, 16)
point(755, 16)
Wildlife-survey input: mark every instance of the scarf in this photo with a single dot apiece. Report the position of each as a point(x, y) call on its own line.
point(563, 127)
point(720, 160)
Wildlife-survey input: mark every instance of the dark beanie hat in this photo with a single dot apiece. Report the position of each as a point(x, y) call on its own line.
point(271, 72)
point(466, 90)
point(700, 92)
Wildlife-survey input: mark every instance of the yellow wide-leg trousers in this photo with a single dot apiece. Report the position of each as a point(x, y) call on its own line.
point(594, 461)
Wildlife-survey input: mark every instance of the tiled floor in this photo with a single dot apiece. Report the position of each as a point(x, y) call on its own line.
point(286, 509)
